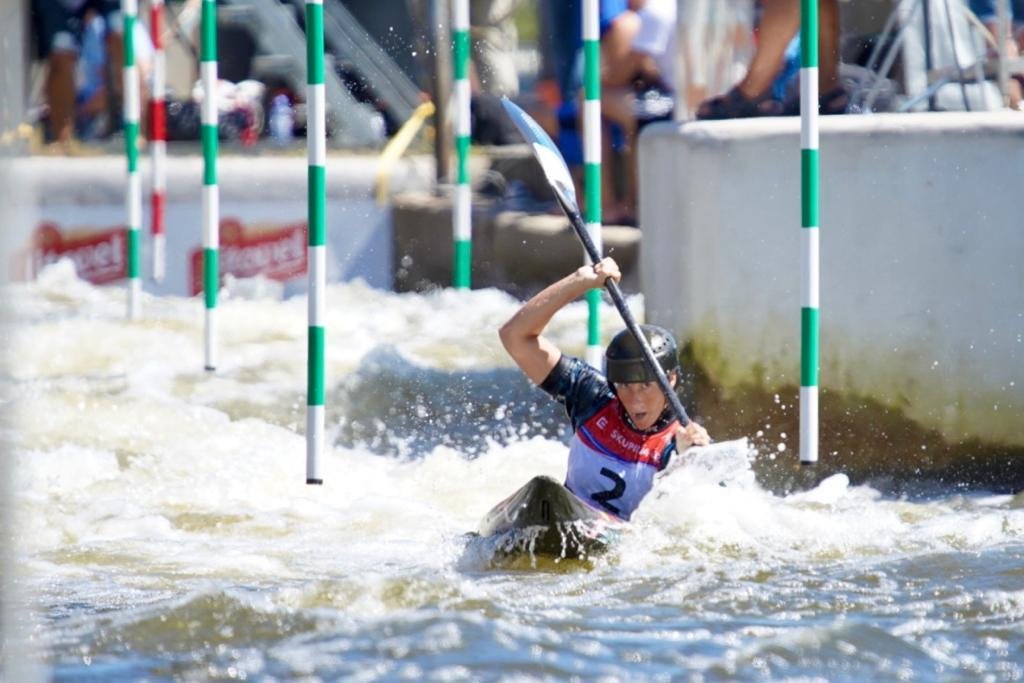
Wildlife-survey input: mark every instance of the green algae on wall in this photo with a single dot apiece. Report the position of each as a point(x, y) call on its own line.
point(861, 436)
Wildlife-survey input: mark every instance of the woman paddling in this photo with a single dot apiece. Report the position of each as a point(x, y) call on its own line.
point(624, 431)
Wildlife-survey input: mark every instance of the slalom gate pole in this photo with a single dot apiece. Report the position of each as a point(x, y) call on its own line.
point(132, 106)
point(809, 186)
point(316, 141)
point(462, 208)
point(158, 141)
point(211, 193)
point(592, 165)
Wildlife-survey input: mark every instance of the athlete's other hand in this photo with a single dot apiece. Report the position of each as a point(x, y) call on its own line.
point(691, 435)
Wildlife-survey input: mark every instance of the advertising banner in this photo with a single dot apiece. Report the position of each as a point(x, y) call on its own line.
point(99, 254)
point(275, 251)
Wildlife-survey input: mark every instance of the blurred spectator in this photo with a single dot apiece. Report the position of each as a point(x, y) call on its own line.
point(563, 19)
point(987, 12)
point(637, 58)
point(648, 53)
point(617, 26)
point(92, 106)
point(91, 79)
point(494, 41)
point(637, 87)
point(618, 23)
point(780, 21)
point(58, 27)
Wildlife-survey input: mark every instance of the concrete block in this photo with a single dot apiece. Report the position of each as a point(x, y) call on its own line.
point(534, 250)
point(517, 163)
point(423, 252)
point(517, 252)
point(922, 287)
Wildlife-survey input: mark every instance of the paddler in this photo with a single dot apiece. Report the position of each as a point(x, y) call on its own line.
point(624, 431)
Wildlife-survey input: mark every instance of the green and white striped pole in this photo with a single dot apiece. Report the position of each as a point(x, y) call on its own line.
point(592, 165)
point(316, 141)
point(809, 172)
point(132, 108)
point(211, 193)
point(462, 208)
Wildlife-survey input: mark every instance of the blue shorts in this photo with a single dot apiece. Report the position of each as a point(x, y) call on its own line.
point(57, 24)
point(609, 11)
point(987, 10)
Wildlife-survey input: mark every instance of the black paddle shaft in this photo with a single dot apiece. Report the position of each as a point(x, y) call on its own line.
point(627, 316)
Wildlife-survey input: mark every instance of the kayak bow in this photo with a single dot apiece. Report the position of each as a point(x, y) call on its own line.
point(544, 518)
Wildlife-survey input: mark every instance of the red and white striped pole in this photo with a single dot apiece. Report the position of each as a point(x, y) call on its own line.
point(158, 141)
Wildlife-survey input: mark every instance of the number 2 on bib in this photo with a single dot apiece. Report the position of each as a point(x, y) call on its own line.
point(604, 498)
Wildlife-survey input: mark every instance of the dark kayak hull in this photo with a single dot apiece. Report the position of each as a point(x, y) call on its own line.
point(543, 518)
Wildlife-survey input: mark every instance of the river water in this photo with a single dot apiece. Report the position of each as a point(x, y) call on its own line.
point(163, 528)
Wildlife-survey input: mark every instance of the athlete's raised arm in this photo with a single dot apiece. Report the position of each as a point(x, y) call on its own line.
point(522, 334)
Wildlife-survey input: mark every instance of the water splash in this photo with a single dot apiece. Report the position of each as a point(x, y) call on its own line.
point(167, 531)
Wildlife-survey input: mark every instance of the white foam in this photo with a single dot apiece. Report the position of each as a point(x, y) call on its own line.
point(127, 452)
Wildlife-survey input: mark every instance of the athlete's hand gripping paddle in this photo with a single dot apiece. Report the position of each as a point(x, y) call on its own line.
point(557, 174)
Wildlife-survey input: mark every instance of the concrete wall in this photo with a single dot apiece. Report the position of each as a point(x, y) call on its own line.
point(922, 262)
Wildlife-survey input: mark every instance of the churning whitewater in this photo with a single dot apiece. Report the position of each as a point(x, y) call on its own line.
point(164, 528)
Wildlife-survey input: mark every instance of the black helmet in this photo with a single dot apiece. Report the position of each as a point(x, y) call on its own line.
point(624, 359)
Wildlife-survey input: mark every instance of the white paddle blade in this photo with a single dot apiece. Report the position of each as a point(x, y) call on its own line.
point(544, 149)
point(724, 462)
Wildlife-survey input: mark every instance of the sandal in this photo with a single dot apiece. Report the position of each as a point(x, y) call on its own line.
point(736, 105)
point(835, 101)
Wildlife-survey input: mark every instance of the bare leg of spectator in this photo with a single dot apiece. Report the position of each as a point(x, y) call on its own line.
point(828, 46)
point(115, 75)
point(779, 23)
point(115, 71)
point(617, 107)
point(60, 95)
point(618, 69)
point(1014, 47)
